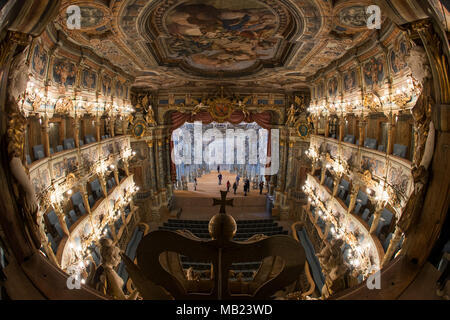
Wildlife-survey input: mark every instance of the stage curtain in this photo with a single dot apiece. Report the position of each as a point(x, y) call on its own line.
point(263, 119)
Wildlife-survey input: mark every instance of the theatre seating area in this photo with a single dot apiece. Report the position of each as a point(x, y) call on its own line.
point(107, 136)
point(370, 143)
point(96, 189)
point(38, 152)
point(245, 230)
point(400, 150)
point(69, 144)
point(329, 182)
point(349, 138)
point(89, 139)
point(55, 231)
point(343, 189)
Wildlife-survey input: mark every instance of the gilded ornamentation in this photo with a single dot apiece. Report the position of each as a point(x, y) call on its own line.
point(366, 179)
point(242, 106)
point(64, 106)
point(150, 116)
point(23, 188)
point(221, 108)
point(291, 115)
point(373, 102)
point(198, 108)
point(8, 46)
point(110, 282)
point(440, 62)
point(331, 259)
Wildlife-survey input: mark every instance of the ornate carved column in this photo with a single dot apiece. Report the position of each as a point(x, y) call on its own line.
point(341, 127)
point(284, 145)
point(152, 165)
point(316, 125)
point(124, 126)
point(126, 167)
point(97, 128)
point(390, 143)
point(60, 214)
point(337, 180)
point(102, 180)
point(327, 126)
point(169, 166)
point(116, 175)
point(323, 175)
point(44, 135)
point(76, 131)
point(376, 217)
point(289, 172)
point(353, 195)
point(85, 197)
point(112, 124)
point(392, 246)
point(158, 154)
point(362, 132)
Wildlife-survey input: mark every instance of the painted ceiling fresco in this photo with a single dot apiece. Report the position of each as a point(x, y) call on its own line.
point(260, 42)
point(219, 35)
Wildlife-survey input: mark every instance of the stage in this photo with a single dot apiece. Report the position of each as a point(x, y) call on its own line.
point(198, 204)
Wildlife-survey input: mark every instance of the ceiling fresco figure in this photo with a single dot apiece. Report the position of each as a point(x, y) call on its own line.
point(218, 35)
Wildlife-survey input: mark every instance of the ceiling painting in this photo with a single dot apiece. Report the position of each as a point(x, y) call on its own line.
point(165, 43)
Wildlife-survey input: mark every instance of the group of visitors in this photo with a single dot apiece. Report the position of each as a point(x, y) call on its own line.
point(235, 184)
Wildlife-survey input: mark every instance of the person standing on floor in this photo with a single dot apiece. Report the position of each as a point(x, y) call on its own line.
point(247, 182)
point(261, 187)
point(218, 168)
point(195, 184)
point(220, 178)
point(234, 187)
point(228, 185)
point(237, 180)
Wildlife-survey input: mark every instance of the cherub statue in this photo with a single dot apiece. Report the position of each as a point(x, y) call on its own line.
point(291, 115)
point(243, 108)
point(198, 108)
point(106, 277)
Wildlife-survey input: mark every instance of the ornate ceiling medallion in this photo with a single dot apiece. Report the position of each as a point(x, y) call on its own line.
point(94, 16)
point(234, 38)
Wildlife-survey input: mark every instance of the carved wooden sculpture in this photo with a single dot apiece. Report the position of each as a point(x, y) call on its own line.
point(158, 262)
point(106, 278)
point(332, 261)
point(23, 187)
point(424, 138)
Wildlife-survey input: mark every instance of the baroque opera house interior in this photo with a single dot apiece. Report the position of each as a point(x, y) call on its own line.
point(224, 150)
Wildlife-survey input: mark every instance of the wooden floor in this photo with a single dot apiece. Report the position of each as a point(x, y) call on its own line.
point(198, 204)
